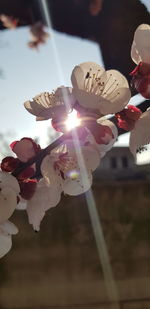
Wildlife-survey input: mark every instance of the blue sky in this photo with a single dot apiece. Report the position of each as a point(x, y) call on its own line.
point(28, 72)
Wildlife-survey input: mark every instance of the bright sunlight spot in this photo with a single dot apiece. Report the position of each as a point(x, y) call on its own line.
point(72, 121)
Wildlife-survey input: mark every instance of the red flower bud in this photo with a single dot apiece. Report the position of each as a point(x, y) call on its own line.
point(142, 85)
point(27, 188)
point(127, 117)
point(9, 164)
point(141, 79)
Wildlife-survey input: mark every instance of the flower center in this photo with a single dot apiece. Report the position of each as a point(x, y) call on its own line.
point(49, 99)
point(94, 83)
point(111, 86)
point(67, 166)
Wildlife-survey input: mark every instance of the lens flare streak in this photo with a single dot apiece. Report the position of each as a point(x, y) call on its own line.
point(94, 216)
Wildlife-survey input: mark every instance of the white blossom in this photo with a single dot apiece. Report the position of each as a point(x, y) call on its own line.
point(71, 168)
point(48, 105)
point(96, 89)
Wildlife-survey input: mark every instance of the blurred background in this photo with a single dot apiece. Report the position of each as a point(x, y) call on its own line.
point(64, 265)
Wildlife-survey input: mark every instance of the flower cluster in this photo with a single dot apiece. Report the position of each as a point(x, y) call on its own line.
point(37, 177)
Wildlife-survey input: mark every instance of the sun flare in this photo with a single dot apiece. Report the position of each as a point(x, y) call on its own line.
point(72, 121)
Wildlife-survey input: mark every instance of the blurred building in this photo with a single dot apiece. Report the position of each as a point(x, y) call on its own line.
point(119, 164)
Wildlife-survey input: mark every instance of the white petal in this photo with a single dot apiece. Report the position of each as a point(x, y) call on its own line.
point(116, 91)
point(79, 185)
point(41, 112)
point(22, 205)
point(89, 153)
point(38, 108)
point(135, 54)
point(140, 135)
point(43, 199)
point(7, 180)
point(42, 99)
point(103, 148)
point(77, 77)
point(65, 94)
point(52, 194)
point(115, 80)
point(91, 157)
point(41, 118)
point(8, 228)
point(115, 101)
point(8, 203)
point(102, 153)
point(5, 244)
point(86, 99)
point(35, 108)
point(47, 105)
point(79, 73)
point(141, 44)
point(50, 174)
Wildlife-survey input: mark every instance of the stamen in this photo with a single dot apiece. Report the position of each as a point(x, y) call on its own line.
point(87, 75)
point(111, 86)
point(86, 80)
point(114, 97)
point(97, 74)
point(108, 79)
point(109, 94)
point(88, 84)
point(100, 88)
point(92, 82)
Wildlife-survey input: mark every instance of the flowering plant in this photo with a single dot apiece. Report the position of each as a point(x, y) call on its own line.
point(38, 177)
